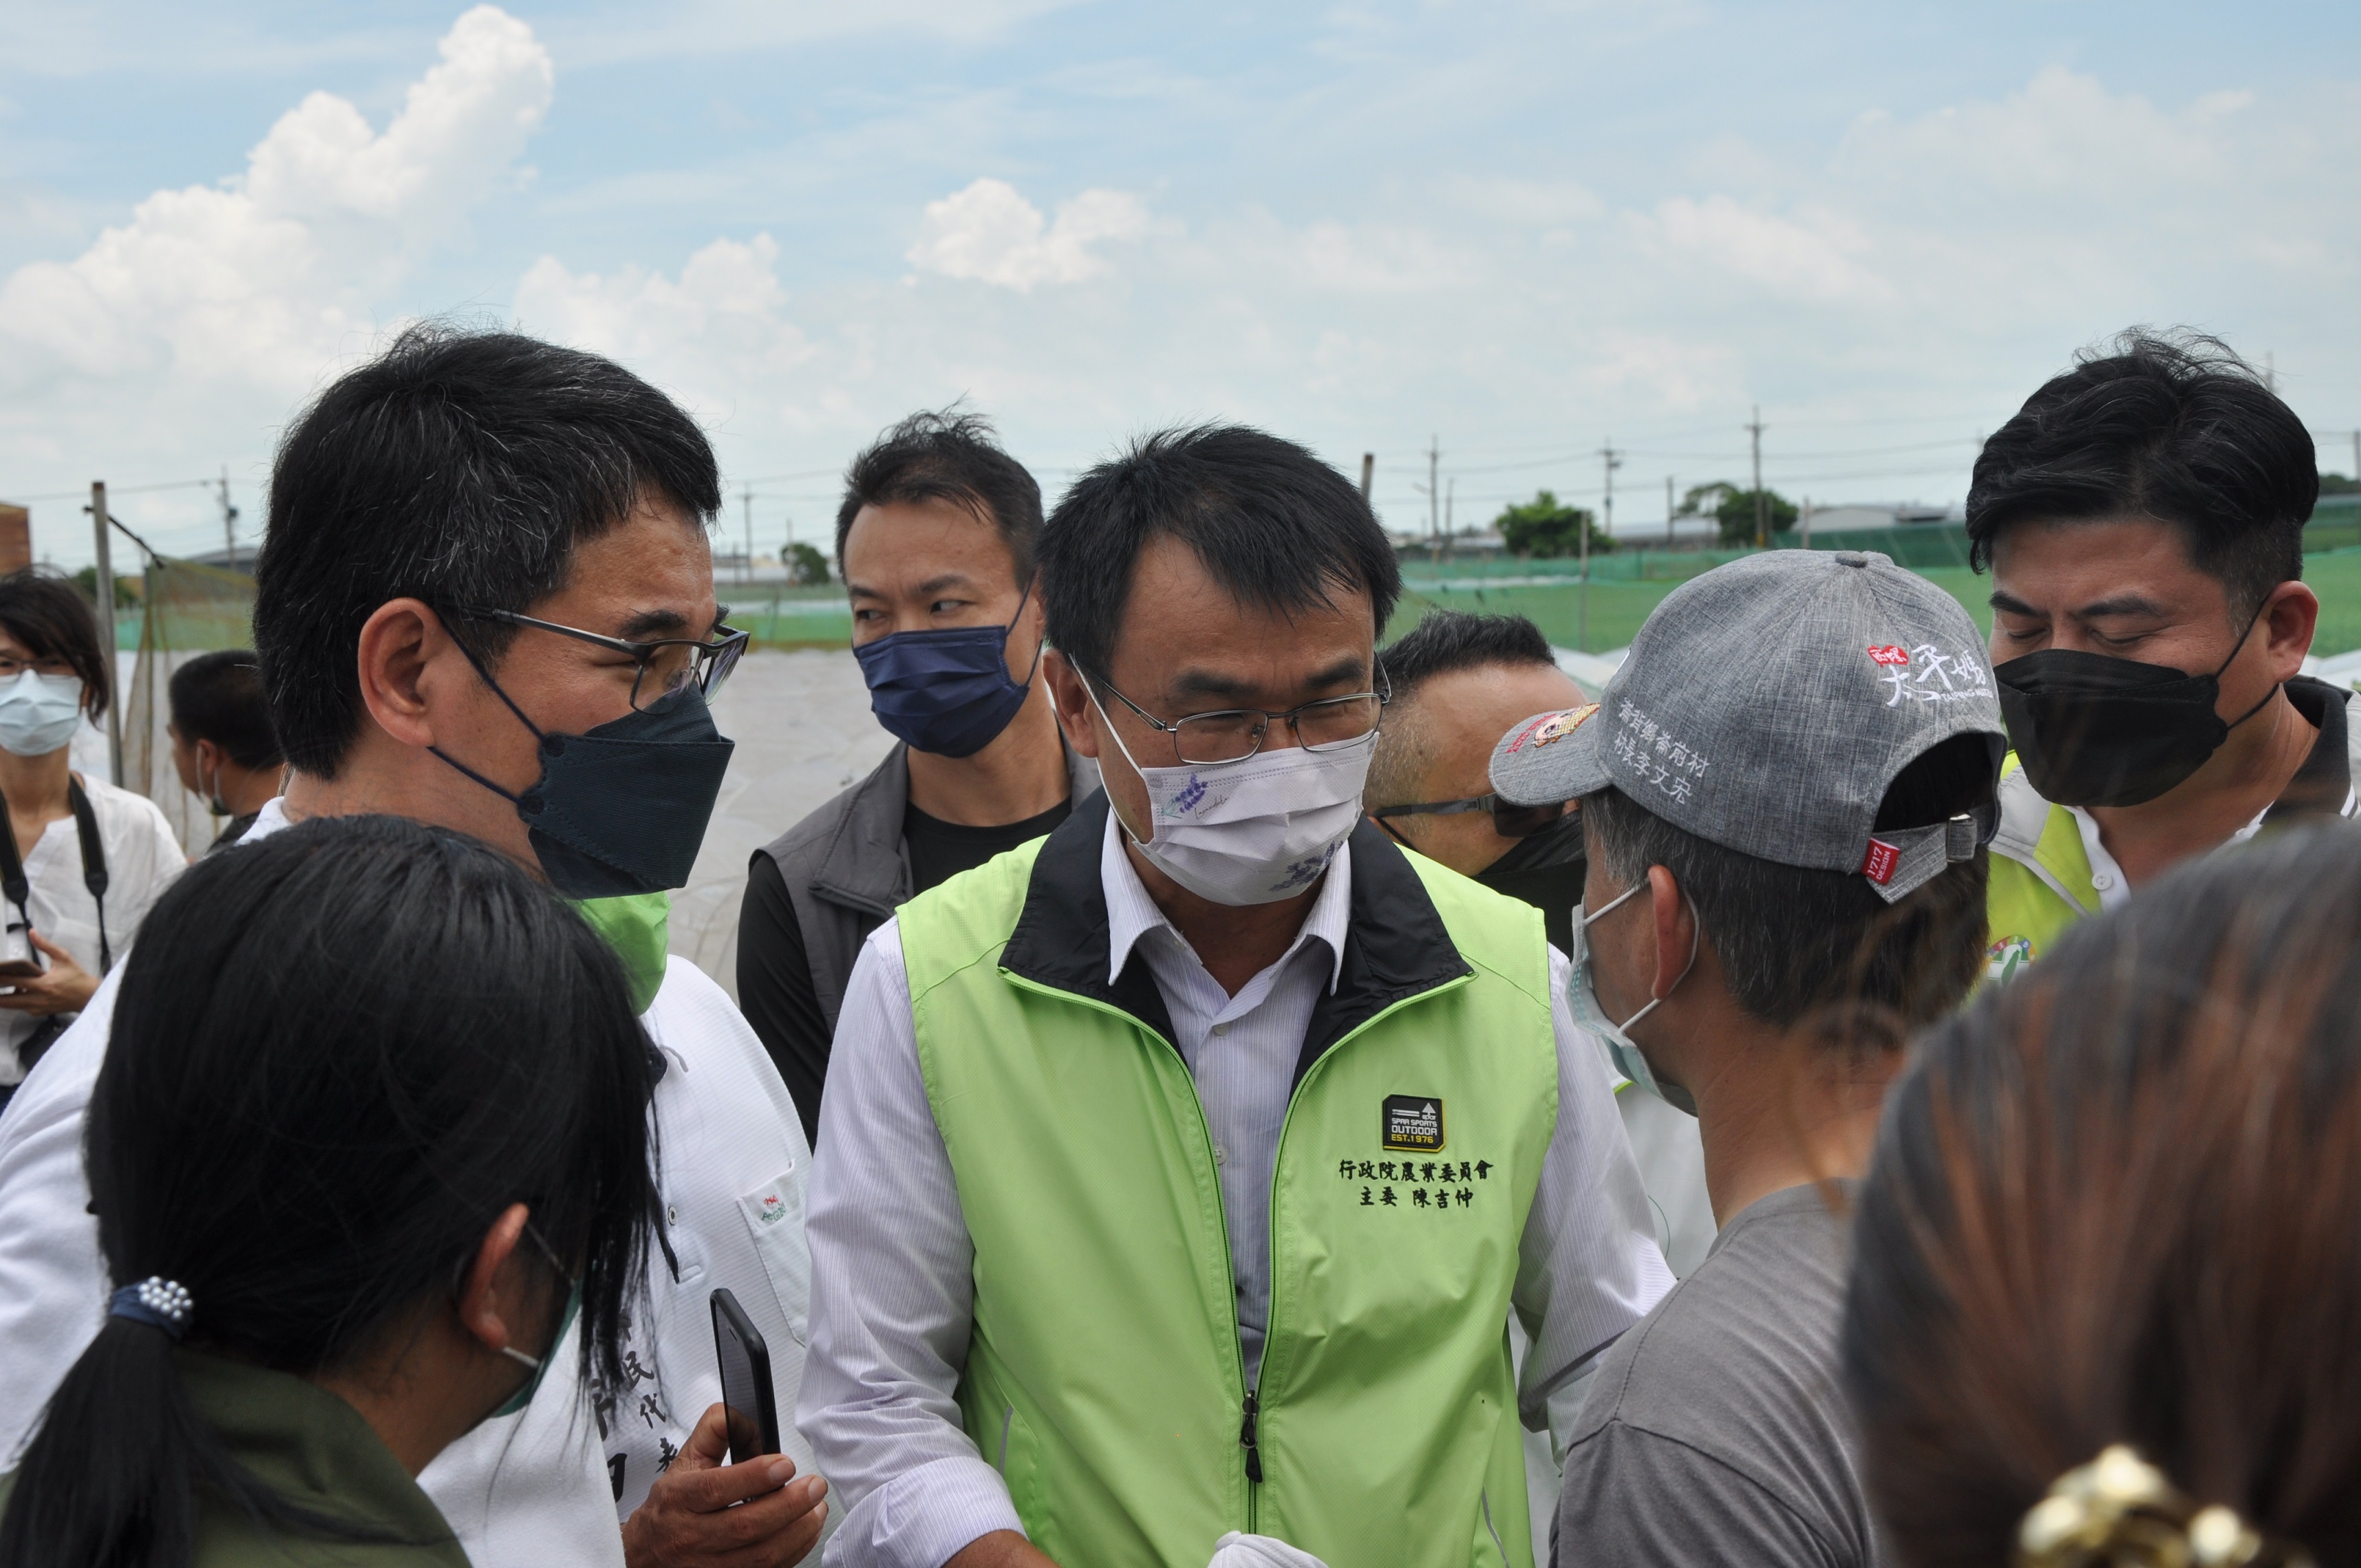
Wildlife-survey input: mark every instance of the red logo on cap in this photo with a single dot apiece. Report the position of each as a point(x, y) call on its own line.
point(1891, 654)
point(1878, 864)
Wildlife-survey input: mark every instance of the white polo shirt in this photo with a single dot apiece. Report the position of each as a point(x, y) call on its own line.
point(548, 1486)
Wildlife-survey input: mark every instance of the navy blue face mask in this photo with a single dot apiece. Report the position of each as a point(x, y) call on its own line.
point(946, 691)
point(621, 809)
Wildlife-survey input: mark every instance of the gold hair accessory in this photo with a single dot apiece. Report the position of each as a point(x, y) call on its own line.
point(2118, 1511)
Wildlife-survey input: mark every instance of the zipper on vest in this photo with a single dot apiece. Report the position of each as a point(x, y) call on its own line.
point(1247, 1442)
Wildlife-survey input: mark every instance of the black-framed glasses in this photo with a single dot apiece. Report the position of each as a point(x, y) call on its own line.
point(1509, 820)
point(664, 665)
point(1234, 734)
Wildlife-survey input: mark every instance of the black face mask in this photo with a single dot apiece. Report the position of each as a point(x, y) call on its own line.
point(621, 809)
point(1545, 869)
point(2092, 730)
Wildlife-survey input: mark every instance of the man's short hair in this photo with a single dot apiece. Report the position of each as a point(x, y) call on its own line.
point(1453, 640)
point(218, 698)
point(1794, 940)
point(947, 456)
point(1446, 642)
point(2176, 428)
point(1275, 527)
point(48, 615)
point(461, 468)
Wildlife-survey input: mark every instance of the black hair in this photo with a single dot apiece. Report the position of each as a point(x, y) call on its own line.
point(947, 456)
point(1451, 639)
point(457, 467)
point(1444, 643)
point(217, 696)
point(338, 1055)
point(1275, 527)
point(1794, 940)
point(2118, 1200)
point(2175, 427)
point(48, 614)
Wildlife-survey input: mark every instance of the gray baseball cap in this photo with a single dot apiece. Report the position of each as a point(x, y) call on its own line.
point(1767, 703)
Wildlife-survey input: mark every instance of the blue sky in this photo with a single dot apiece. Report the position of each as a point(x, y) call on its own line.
point(1519, 229)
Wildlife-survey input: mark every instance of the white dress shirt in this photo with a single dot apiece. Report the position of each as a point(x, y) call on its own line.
point(891, 1263)
point(542, 1488)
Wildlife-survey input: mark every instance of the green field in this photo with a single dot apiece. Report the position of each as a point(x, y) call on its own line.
point(1616, 609)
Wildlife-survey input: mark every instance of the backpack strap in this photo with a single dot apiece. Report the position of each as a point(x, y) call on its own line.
point(93, 862)
point(12, 867)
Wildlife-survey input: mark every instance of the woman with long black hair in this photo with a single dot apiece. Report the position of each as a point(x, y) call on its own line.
point(371, 1136)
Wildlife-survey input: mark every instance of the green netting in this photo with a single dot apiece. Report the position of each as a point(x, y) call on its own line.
point(185, 609)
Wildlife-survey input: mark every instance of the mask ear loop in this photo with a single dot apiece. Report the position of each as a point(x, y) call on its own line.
point(2235, 650)
point(1026, 684)
point(540, 739)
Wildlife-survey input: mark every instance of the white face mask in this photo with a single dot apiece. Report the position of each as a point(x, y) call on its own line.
point(40, 713)
point(1250, 832)
point(1581, 1001)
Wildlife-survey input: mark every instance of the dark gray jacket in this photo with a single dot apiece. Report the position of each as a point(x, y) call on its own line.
point(846, 870)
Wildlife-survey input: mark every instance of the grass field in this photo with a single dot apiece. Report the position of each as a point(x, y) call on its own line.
point(1616, 609)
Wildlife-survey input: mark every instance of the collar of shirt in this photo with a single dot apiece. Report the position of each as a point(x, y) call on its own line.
point(1132, 914)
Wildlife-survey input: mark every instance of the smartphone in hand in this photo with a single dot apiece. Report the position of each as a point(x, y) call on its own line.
point(746, 1396)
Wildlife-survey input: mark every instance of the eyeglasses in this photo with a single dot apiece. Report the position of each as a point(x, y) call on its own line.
point(665, 664)
point(1234, 734)
point(1509, 820)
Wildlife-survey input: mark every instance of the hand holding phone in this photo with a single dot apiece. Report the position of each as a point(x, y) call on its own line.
point(746, 1387)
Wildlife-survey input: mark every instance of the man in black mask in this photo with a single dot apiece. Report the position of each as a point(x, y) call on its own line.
point(1460, 682)
point(2143, 517)
point(934, 535)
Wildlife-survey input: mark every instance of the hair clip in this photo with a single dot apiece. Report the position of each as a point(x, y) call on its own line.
point(155, 1301)
point(2119, 1511)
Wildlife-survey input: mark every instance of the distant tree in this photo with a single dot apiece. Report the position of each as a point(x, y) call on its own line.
point(127, 589)
point(807, 567)
point(1705, 501)
point(2337, 485)
point(1735, 513)
point(1542, 528)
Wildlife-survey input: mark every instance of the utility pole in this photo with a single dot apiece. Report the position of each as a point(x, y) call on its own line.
point(1668, 511)
point(1369, 473)
point(746, 573)
point(1761, 509)
point(2356, 456)
point(229, 523)
point(106, 585)
point(1433, 489)
point(1807, 523)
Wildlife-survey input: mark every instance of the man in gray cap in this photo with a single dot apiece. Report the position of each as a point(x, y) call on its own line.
point(1786, 792)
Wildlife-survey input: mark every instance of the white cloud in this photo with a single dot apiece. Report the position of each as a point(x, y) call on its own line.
point(258, 282)
point(715, 335)
point(1813, 256)
point(990, 233)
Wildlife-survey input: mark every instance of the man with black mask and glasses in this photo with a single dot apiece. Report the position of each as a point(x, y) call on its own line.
point(1181, 1171)
point(485, 601)
point(2143, 520)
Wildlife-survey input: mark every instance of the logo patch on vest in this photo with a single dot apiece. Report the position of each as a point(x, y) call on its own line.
point(1411, 1121)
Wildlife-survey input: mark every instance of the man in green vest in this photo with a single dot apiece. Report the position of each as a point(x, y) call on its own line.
point(1183, 1167)
point(2143, 517)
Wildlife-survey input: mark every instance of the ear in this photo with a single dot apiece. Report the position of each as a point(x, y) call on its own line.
point(2291, 616)
point(206, 755)
point(492, 1295)
point(1071, 701)
point(1674, 930)
point(402, 640)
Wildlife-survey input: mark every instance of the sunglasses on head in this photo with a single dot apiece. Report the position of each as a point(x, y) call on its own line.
point(1509, 820)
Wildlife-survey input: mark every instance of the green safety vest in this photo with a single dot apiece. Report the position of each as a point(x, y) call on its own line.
point(1104, 1375)
point(2040, 883)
